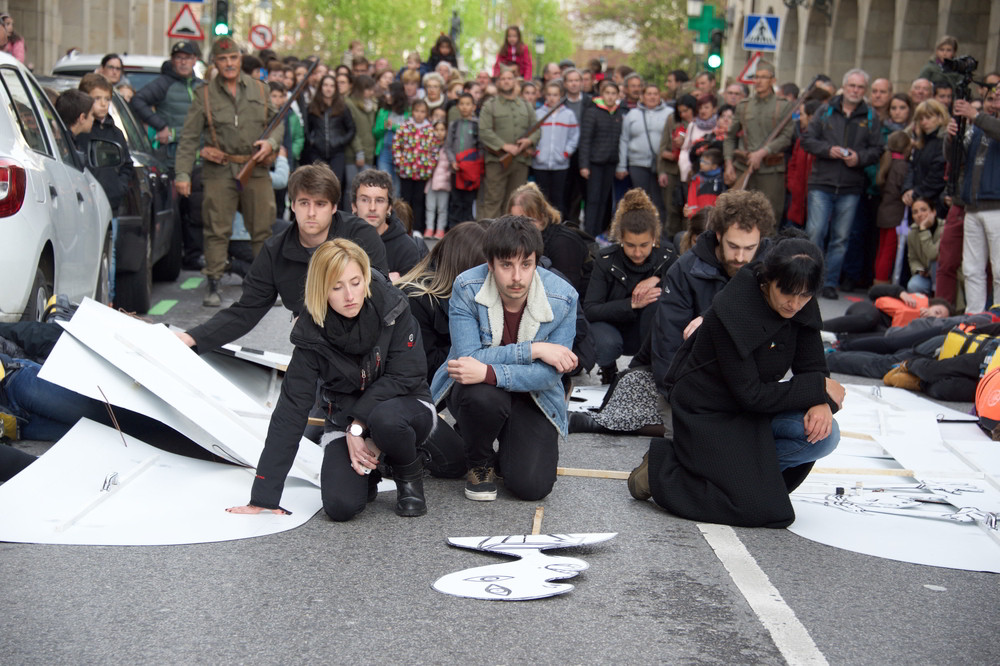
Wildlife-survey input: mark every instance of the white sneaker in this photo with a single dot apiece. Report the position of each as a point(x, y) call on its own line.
point(828, 337)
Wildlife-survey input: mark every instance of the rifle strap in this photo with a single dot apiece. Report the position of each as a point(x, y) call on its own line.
point(208, 117)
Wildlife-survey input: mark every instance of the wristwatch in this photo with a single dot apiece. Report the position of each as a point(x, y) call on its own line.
point(357, 430)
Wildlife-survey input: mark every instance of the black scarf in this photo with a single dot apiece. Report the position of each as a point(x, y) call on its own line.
point(353, 335)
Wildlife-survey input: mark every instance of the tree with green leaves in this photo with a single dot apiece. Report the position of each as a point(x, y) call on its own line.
point(393, 28)
point(663, 42)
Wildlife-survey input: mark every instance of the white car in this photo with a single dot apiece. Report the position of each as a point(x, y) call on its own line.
point(55, 221)
point(139, 69)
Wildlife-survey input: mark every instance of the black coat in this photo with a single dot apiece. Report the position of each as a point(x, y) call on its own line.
point(829, 127)
point(432, 317)
point(280, 270)
point(114, 180)
point(722, 466)
point(402, 253)
point(328, 135)
point(568, 249)
point(353, 385)
point(925, 175)
point(609, 294)
point(599, 133)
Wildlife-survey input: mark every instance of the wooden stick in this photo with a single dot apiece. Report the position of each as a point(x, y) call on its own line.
point(315, 420)
point(857, 435)
point(536, 524)
point(592, 473)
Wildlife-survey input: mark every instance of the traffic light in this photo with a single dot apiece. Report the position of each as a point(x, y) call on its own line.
point(221, 25)
point(715, 50)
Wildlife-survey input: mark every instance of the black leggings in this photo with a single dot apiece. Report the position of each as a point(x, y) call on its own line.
point(412, 192)
point(861, 317)
point(529, 443)
point(397, 427)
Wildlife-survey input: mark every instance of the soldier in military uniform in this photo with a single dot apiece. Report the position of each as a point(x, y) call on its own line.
point(744, 146)
point(229, 114)
point(502, 122)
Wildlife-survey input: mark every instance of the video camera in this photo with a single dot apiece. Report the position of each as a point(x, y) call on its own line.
point(964, 65)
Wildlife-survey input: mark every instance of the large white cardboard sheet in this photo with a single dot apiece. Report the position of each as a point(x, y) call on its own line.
point(946, 523)
point(151, 366)
point(158, 498)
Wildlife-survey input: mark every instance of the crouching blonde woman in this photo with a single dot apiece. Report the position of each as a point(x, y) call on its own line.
point(360, 341)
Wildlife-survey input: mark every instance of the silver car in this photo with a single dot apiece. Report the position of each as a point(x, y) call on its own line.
point(55, 221)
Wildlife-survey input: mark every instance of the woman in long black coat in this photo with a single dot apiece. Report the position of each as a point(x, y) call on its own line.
point(743, 439)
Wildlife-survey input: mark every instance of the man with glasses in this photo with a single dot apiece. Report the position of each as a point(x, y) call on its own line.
point(746, 145)
point(371, 200)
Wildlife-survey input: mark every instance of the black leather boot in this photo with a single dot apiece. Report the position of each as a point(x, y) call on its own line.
point(584, 422)
point(410, 488)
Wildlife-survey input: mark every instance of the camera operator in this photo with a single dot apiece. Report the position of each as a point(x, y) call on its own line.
point(978, 188)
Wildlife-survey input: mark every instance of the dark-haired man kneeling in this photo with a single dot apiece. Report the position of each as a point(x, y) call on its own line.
point(505, 384)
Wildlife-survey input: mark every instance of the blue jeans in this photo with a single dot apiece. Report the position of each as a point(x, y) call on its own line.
point(922, 284)
point(791, 443)
point(49, 410)
point(828, 224)
point(384, 161)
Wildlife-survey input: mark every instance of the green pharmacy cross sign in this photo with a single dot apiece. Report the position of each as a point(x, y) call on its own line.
point(706, 23)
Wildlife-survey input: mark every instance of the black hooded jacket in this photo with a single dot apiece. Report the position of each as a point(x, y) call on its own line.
point(352, 384)
point(280, 270)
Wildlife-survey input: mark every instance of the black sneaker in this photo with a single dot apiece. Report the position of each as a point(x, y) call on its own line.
point(829, 292)
point(480, 484)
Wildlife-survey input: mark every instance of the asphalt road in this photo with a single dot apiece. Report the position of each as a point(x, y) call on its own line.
point(361, 592)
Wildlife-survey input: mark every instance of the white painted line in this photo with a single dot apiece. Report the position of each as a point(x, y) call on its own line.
point(789, 635)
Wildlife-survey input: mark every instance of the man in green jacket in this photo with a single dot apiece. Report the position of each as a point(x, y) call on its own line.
point(230, 112)
point(503, 122)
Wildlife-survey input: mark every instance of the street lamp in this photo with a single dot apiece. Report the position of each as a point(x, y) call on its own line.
point(540, 51)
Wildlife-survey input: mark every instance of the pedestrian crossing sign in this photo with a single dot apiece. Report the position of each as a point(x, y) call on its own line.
point(760, 32)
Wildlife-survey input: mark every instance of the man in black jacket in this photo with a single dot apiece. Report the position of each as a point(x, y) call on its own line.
point(371, 200)
point(738, 226)
point(845, 136)
point(163, 104)
point(280, 268)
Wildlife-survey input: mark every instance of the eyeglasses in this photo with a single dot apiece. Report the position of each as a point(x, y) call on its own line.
point(760, 77)
point(115, 68)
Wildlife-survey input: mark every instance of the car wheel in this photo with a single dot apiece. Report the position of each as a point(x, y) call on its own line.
point(102, 293)
point(169, 266)
point(41, 292)
point(134, 291)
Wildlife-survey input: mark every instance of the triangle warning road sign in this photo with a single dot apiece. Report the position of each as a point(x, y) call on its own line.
point(185, 25)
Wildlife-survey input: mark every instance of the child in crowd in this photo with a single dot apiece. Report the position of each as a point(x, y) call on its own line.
point(76, 109)
point(696, 224)
point(438, 187)
point(390, 117)
point(706, 185)
point(462, 147)
point(560, 136)
point(891, 175)
point(439, 115)
point(414, 152)
point(115, 181)
point(529, 91)
point(922, 246)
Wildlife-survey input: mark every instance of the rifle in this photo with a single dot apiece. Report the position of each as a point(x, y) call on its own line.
point(741, 183)
point(243, 177)
point(505, 157)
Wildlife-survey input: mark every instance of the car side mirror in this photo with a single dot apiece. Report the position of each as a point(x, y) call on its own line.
point(101, 153)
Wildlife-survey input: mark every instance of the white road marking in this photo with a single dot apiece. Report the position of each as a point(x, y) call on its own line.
point(789, 635)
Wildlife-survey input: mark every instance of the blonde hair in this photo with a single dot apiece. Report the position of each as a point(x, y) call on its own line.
point(929, 108)
point(534, 205)
point(636, 214)
point(328, 263)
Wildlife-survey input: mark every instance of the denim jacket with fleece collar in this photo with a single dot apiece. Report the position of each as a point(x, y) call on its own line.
point(475, 319)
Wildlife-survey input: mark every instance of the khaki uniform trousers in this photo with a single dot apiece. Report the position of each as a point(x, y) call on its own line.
point(222, 199)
